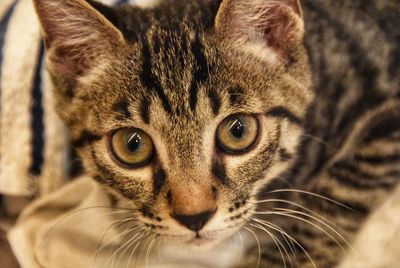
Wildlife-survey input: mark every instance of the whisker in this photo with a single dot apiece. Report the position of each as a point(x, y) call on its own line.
point(100, 247)
point(288, 236)
point(318, 140)
point(320, 221)
point(115, 254)
point(290, 244)
point(149, 250)
point(134, 238)
point(133, 252)
point(158, 249)
point(73, 213)
point(299, 206)
point(276, 241)
point(313, 194)
point(311, 223)
point(140, 240)
point(258, 244)
point(238, 242)
point(242, 245)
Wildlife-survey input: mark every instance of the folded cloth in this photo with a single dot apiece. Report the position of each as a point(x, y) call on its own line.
point(77, 226)
point(377, 244)
point(35, 153)
point(32, 138)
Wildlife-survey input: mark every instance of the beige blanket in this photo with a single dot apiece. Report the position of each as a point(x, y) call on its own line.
point(71, 228)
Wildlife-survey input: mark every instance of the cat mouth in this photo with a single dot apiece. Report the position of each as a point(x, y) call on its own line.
point(202, 238)
point(198, 238)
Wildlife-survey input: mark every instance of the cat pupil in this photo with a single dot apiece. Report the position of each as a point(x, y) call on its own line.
point(133, 142)
point(237, 129)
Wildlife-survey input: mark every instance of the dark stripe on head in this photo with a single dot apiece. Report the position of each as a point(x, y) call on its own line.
point(145, 110)
point(159, 179)
point(3, 28)
point(201, 70)
point(215, 100)
point(37, 124)
point(122, 108)
point(156, 44)
point(86, 138)
point(236, 96)
point(219, 172)
point(283, 113)
point(149, 80)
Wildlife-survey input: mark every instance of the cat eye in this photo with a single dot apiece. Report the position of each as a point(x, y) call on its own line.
point(237, 133)
point(132, 147)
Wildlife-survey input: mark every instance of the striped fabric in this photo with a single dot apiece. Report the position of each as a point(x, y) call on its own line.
point(35, 156)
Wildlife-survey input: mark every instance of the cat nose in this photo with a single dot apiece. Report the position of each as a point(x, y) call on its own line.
point(194, 222)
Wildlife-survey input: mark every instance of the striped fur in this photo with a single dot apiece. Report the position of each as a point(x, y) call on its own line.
point(350, 152)
point(185, 66)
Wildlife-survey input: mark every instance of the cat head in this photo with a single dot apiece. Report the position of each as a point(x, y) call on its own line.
point(185, 110)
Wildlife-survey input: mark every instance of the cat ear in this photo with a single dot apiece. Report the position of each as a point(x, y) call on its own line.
point(269, 29)
point(77, 37)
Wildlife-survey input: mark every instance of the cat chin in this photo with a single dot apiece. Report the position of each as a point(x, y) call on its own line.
point(204, 241)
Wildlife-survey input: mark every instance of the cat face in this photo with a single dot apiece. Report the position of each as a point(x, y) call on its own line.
point(183, 111)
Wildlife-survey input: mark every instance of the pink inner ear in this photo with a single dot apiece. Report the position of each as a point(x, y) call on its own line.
point(67, 62)
point(295, 6)
point(280, 28)
point(78, 38)
point(270, 29)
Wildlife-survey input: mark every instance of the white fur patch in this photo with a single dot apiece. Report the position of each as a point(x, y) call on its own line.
point(262, 52)
point(147, 3)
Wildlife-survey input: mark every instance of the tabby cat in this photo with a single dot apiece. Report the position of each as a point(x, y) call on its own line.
point(273, 117)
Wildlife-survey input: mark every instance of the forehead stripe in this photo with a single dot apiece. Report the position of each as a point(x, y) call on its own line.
point(122, 109)
point(215, 100)
point(201, 70)
point(236, 96)
point(149, 80)
point(284, 113)
point(145, 110)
